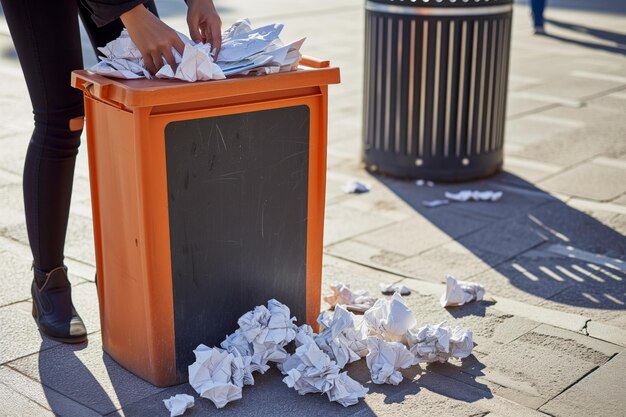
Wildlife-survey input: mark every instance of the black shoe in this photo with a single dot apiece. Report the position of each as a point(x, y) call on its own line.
point(53, 310)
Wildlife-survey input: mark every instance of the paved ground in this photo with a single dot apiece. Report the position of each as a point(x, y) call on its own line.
point(551, 252)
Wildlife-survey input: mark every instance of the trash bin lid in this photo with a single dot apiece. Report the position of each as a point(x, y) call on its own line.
point(312, 72)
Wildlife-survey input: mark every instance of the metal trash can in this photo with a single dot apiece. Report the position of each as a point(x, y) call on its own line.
point(435, 87)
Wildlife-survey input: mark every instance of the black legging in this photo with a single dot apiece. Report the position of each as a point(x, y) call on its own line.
point(47, 39)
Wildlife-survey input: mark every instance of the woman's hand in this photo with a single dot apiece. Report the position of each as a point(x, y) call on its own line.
point(204, 23)
point(153, 38)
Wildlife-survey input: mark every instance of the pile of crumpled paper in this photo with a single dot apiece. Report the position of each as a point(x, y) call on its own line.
point(245, 50)
point(386, 335)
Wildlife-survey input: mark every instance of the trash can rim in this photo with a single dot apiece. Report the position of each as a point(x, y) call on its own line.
point(145, 93)
point(443, 4)
point(413, 9)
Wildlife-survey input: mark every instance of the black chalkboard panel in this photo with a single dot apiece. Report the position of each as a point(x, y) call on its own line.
point(237, 195)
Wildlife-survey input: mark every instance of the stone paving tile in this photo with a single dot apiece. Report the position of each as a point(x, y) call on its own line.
point(380, 201)
point(522, 371)
point(43, 396)
point(505, 238)
point(516, 106)
point(19, 333)
point(9, 178)
point(15, 278)
point(601, 391)
point(86, 375)
point(591, 180)
point(408, 237)
point(560, 283)
point(533, 129)
point(451, 258)
point(529, 277)
point(526, 170)
point(12, 208)
point(565, 225)
point(620, 200)
point(575, 344)
point(573, 147)
point(574, 88)
point(596, 302)
point(358, 276)
point(15, 404)
point(606, 332)
point(617, 223)
point(364, 254)
point(457, 219)
point(13, 151)
point(342, 223)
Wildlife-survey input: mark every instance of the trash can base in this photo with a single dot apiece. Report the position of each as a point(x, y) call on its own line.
point(435, 168)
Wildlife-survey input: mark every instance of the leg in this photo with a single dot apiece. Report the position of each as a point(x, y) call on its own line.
point(46, 37)
point(537, 7)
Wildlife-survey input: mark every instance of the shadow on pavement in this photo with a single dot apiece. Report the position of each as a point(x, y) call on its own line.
point(539, 244)
point(601, 6)
point(618, 38)
point(62, 372)
point(478, 309)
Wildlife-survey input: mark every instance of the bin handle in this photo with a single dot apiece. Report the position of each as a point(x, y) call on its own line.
point(312, 62)
point(97, 91)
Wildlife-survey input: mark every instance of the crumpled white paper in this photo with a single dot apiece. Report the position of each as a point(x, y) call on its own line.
point(244, 50)
point(474, 195)
point(341, 340)
point(460, 292)
point(211, 375)
point(178, 404)
point(391, 319)
point(438, 343)
point(346, 391)
point(310, 370)
point(386, 358)
point(358, 300)
point(389, 289)
point(356, 187)
point(267, 330)
point(304, 335)
point(435, 203)
point(461, 342)
point(122, 59)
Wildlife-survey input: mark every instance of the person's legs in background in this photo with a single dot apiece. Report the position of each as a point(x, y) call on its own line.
point(537, 7)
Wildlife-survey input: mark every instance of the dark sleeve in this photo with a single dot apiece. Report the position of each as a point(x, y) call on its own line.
point(106, 11)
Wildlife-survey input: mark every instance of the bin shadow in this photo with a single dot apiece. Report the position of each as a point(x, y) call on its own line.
point(437, 378)
point(65, 373)
point(537, 243)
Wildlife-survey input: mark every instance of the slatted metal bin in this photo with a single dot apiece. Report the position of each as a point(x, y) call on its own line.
point(435, 87)
point(208, 200)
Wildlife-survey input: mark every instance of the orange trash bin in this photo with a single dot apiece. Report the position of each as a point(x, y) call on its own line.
point(208, 199)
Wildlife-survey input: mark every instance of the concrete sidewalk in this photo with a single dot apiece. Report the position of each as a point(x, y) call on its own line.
point(551, 253)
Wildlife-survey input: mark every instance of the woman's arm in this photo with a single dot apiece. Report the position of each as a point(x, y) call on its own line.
point(204, 23)
point(153, 37)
